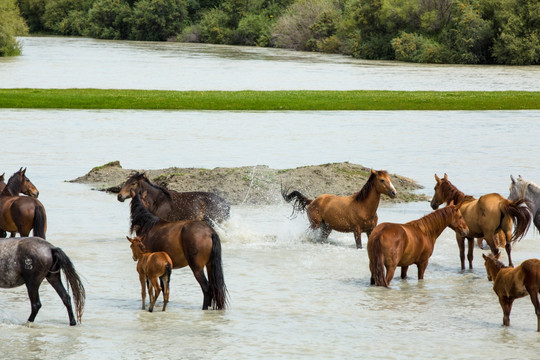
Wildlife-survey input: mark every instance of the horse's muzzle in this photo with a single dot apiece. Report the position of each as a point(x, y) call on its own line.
point(392, 194)
point(120, 198)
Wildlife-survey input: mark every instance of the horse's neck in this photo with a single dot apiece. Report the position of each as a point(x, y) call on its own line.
point(371, 202)
point(155, 197)
point(434, 224)
point(533, 195)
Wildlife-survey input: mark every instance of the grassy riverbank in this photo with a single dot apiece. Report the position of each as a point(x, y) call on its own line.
point(267, 100)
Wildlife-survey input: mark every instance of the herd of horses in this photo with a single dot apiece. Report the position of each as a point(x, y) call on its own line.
point(177, 229)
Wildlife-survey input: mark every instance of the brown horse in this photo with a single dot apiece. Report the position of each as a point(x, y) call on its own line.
point(510, 283)
point(151, 267)
point(2, 182)
point(391, 245)
point(356, 213)
point(171, 205)
point(491, 217)
point(20, 214)
point(188, 242)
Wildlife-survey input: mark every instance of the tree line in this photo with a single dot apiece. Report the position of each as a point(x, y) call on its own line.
point(425, 31)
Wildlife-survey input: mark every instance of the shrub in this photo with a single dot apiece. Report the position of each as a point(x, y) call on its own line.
point(32, 11)
point(109, 19)
point(66, 17)
point(416, 48)
point(157, 20)
point(213, 27)
point(253, 29)
point(12, 24)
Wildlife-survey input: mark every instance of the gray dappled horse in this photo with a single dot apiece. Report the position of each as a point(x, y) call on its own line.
point(527, 190)
point(29, 260)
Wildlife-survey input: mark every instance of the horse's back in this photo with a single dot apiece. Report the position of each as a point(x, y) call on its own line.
point(200, 205)
point(22, 254)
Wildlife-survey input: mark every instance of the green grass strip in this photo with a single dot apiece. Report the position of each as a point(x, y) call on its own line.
point(268, 100)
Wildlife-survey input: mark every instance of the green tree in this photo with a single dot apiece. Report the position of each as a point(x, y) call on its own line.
point(66, 17)
point(32, 11)
point(109, 19)
point(11, 24)
point(158, 20)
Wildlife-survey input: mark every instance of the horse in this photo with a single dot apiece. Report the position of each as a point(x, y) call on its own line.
point(510, 283)
point(171, 205)
point(187, 242)
point(150, 267)
point(491, 217)
point(2, 182)
point(20, 214)
point(391, 245)
point(356, 213)
point(29, 260)
point(524, 189)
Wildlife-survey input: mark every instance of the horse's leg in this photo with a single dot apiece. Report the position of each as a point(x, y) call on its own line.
point(461, 245)
point(154, 291)
point(508, 245)
point(506, 304)
point(533, 292)
point(358, 239)
point(165, 286)
point(404, 271)
point(205, 287)
point(142, 279)
point(390, 270)
point(470, 251)
point(56, 282)
point(422, 269)
point(325, 231)
point(33, 294)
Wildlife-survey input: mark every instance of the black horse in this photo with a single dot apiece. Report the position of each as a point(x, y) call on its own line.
point(28, 261)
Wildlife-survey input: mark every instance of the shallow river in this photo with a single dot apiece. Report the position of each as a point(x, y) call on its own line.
point(290, 297)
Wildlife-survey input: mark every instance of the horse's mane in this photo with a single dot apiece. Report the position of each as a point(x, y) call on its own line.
point(142, 176)
point(366, 189)
point(142, 220)
point(450, 192)
point(435, 219)
point(13, 185)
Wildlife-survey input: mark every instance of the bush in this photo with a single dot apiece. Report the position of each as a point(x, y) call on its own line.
point(213, 27)
point(109, 19)
point(12, 24)
point(66, 17)
point(416, 48)
point(253, 29)
point(32, 11)
point(157, 20)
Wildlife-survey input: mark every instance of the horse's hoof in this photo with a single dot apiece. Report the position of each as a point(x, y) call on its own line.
point(29, 324)
point(72, 323)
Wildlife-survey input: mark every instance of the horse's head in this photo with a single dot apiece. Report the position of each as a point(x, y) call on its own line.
point(137, 246)
point(131, 186)
point(458, 223)
point(26, 186)
point(383, 184)
point(516, 188)
point(438, 197)
point(492, 264)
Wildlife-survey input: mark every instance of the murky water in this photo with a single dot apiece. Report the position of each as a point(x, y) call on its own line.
point(290, 297)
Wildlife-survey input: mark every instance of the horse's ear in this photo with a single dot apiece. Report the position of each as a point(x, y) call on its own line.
point(373, 172)
point(445, 176)
point(513, 180)
point(484, 256)
point(437, 179)
point(143, 195)
point(129, 239)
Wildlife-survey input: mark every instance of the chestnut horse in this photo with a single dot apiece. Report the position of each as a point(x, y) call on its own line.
point(391, 245)
point(28, 261)
point(491, 217)
point(151, 267)
point(20, 214)
point(356, 213)
point(187, 242)
point(510, 283)
point(171, 205)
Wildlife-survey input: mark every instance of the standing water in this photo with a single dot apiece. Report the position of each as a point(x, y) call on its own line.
point(290, 297)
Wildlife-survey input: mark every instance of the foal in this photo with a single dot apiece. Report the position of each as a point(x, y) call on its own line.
point(151, 266)
point(510, 283)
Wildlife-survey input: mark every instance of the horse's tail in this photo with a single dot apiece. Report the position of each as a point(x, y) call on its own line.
point(520, 214)
point(73, 280)
point(218, 289)
point(376, 261)
point(300, 202)
point(39, 222)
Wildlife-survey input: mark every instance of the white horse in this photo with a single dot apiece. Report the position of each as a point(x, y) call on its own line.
point(525, 189)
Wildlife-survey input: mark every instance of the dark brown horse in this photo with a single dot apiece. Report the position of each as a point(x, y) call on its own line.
point(27, 261)
point(356, 213)
point(491, 217)
point(2, 182)
point(391, 245)
point(188, 242)
point(20, 214)
point(171, 205)
point(510, 283)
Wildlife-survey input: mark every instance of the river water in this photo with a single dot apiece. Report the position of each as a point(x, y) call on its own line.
point(290, 297)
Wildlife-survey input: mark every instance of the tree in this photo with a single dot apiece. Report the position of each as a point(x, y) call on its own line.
point(11, 24)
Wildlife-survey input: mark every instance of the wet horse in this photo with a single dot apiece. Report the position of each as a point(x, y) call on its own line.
point(187, 242)
point(20, 214)
point(356, 213)
point(171, 205)
point(510, 283)
point(151, 267)
point(491, 217)
point(525, 189)
point(27, 261)
point(391, 245)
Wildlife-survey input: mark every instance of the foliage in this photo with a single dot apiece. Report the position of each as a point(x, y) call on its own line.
point(254, 29)
point(157, 20)
point(32, 11)
point(416, 48)
point(11, 25)
point(109, 19)
point(213, 27)
point(66, 17)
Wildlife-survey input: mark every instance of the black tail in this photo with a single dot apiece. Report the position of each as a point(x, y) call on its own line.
point(79, 294)
point(300, 202)
point(218, 289)
point(39, 222)
point(142, 220)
